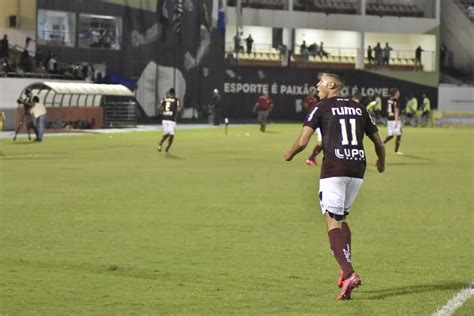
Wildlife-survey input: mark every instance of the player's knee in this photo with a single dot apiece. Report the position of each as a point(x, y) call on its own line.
point(337, 217)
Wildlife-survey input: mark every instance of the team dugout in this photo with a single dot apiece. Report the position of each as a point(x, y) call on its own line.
point(85, 105)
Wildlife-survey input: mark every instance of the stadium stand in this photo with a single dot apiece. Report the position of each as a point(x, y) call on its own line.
point(393, 8)
point(467, 6)
point(327, 6)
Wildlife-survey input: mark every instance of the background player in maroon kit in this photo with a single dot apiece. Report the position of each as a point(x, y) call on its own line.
point(343, 124)
point(309, 104)
point(263, 106)
point(170, 106)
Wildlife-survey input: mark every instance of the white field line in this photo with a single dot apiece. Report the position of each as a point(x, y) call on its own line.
point(456, 302)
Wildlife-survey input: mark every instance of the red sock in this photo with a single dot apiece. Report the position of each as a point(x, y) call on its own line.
point(339, 247)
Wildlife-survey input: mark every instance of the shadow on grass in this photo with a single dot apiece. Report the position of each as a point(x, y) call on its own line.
point(418, 157)
point(171, 156)
point(412, 289)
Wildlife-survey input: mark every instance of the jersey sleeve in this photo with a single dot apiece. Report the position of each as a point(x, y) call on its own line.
point(313, 119)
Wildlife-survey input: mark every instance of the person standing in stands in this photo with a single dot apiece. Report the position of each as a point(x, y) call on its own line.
point(418, 64)
point(370, 57)
point(378, 55)
point(5, 50)
point(263, 106)
point(249, 43)
point(170, 106)
point(386, 54)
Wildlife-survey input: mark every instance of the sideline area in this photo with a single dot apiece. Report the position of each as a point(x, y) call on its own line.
point(139, 128)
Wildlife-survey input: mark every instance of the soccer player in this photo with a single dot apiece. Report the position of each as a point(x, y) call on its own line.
point(394, 125)
point(426, 110)
point(170, 106)
point(410, 110)
point(343, 124)
point(264, 105)
point(309, 104)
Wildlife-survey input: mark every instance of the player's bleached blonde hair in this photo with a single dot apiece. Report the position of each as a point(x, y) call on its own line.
point(336, 78)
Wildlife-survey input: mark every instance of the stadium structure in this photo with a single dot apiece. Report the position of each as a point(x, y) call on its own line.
point(137, 44)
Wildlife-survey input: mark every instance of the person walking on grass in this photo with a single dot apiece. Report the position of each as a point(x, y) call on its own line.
point(170, 106)
point(394, 124)
point(263, 107)
point(343, 123)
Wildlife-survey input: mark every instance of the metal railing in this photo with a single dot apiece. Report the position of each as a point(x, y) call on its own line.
point(403, 58)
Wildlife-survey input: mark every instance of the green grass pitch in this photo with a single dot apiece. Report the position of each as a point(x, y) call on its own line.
point(104, 224)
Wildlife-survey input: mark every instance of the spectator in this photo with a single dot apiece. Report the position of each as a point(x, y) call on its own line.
point(236, 42)
point(386, 54)
point(426, 110)
point(39, 113)
point(39, 57)
point(303, 48)
point(52, 67)
point(378, 55)
point(4, 52)
point(241, 42)
point(27, 43)
point(249, 42)
point(442, 55)
point(410, 110)
point(370, 57)
point(313, 49)
point(106, 40)
point(418, 58)
point(214, 108)
point(322, 52)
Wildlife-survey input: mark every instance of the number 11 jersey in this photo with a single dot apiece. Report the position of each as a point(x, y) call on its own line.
point(343, 123)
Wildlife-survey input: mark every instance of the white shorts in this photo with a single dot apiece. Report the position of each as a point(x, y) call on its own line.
point(319, 135)
point(391, 130)
point(168, 126)
point(337, 194)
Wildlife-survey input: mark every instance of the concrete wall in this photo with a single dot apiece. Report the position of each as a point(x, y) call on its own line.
point(315, 20)
point(457, 31)
point(455, 98)
point(26, 12)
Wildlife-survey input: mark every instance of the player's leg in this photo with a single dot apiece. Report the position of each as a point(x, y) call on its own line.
point(348, 283)
point(332, 196)
point(171, 138)
point(390, 131)
point(398, 139)
point(166, 134)
point(170, 142)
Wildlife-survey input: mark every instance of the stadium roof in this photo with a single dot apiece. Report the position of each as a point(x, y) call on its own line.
point(80, 88)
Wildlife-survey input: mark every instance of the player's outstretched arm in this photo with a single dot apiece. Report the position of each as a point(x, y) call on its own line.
point(379, 150)
point(300, 143)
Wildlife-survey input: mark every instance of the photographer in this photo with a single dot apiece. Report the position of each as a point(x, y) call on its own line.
point(26, 118)
point(39, 113)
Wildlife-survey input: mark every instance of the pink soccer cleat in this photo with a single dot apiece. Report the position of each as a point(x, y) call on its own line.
point(340, 281)
point(310, 162)
point(348, 285)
